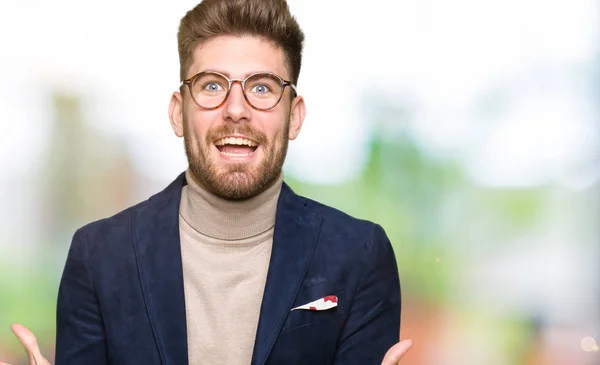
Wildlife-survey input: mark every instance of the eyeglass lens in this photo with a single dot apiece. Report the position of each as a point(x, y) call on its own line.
point(262, 91)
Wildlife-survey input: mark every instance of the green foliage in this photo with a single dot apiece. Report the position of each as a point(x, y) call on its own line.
point(28, 296)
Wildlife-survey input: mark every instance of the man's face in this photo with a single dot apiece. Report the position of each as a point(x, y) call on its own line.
point(236, 151)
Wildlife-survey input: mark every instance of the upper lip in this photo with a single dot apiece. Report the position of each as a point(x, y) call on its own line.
point(238, 139)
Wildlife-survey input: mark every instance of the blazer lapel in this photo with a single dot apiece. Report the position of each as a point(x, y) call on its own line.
point(294, 241)
point(158, 255)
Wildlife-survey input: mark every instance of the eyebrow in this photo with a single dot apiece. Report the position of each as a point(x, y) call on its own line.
point(229, 75)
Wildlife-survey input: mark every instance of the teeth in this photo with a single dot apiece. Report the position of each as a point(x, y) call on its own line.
point(236, 141)
point(236, 154)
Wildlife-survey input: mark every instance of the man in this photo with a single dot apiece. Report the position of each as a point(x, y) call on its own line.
point(227, 265)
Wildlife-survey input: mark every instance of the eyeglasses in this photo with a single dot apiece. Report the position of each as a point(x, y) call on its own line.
point(262, 91)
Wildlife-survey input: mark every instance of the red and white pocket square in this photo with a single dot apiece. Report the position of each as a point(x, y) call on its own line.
point(325, 303)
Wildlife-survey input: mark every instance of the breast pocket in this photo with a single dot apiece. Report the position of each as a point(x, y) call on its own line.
point(306, 317)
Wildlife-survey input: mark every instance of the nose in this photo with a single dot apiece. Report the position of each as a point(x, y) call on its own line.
point(236, 108)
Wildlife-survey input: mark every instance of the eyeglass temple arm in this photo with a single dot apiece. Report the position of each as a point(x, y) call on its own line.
point(287, 83)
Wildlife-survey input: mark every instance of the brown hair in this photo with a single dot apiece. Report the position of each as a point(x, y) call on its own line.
point(268, 19)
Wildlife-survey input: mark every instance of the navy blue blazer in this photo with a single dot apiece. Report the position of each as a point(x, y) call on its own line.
point(121, 298)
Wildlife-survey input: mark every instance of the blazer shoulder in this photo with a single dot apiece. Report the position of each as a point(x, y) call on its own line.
point(341, 222)
point(118, 225)
point(360, 241)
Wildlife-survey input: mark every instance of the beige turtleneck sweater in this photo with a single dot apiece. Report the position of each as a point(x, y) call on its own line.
point(225, 251)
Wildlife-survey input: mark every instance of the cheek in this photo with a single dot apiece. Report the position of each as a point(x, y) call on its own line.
point(198, 126)
point(276, 128)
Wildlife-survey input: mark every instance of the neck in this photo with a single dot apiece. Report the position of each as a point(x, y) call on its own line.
point(229, 220)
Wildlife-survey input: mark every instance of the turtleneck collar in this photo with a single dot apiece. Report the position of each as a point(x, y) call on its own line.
point(229, 220)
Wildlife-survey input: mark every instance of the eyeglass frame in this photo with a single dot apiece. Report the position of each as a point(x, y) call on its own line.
point(242, 83)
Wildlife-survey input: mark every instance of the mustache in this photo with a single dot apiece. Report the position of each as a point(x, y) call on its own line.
point(228, 130)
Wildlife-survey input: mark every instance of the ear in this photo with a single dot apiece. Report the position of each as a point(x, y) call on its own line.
point(297, 114)
point(176, 113)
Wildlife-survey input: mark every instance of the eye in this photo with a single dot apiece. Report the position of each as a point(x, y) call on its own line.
point(212, 86)
point(260, 89)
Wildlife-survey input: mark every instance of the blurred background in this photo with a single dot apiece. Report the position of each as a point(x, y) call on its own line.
point(469, 129)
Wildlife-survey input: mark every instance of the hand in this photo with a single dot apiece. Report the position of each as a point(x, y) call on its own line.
point(31, 345)
point(395, 353)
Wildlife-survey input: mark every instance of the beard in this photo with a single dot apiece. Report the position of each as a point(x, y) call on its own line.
point(236, 181)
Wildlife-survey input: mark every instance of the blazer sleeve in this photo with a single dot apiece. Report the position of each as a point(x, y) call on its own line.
point(79, 329)
point(373, 323)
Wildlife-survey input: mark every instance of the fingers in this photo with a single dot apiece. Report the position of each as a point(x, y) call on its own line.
point(30, 343)
point(25, 336)
point(395, 353)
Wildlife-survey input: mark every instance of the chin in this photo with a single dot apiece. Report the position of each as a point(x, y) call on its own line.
point(237, 185)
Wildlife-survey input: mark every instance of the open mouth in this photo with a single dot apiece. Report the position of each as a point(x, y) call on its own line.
point(236, 146)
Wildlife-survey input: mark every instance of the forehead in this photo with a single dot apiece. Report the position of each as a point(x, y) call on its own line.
point(238, 57)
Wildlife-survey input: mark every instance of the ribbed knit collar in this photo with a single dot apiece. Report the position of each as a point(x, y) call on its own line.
point(219, 218)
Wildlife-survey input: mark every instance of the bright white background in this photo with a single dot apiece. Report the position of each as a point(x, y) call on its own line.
point(444, 57)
